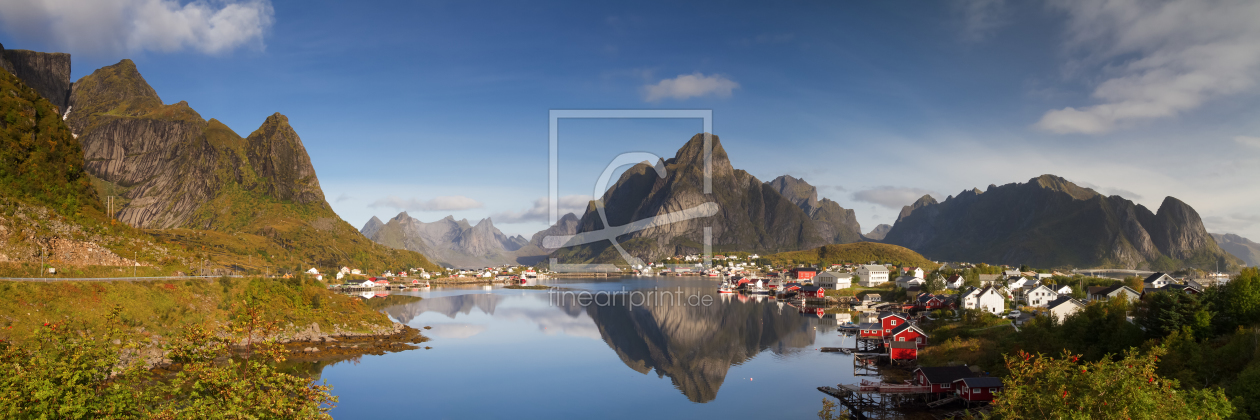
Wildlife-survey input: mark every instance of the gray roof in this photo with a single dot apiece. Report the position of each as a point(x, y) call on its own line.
point(946, 374)
point(1061, 300)
point(982, 382)
point(871, 267)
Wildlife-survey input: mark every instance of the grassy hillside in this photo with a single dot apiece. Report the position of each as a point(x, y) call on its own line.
point(163, 308)
point(859, 252)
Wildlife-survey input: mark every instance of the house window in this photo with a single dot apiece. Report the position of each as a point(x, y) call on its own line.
point(901, 339)
point(946, 386)
point(992, 390)
point(894, 323)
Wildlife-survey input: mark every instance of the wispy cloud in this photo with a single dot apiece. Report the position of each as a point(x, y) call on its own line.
point(445, 203)
point(575, 204)
point(343, 198)
point(122, 26)
point(892, 197)
point(690, 86)
point(1130, 195)
point(981, 18)
point(1247, 141)
point(1158, 59)
point(1232, 223)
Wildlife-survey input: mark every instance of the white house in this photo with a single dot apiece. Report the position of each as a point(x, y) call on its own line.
point(340, 275)
point(1043, 276)
point(1018, 282)
point(1064, 306)
point(1040, 296)
point(1064, 290)
point(955, 282)
point(1012, 273)
point(914, 271)
point(312, 271)
point(368, 283)
point(871, 275)
point(905, 282)
point(1157, 280)
point(345, 270)
point(985, 299)
point(356, 271)
point(833, 280)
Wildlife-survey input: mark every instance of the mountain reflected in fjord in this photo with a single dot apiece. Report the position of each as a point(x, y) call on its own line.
point(695, 346)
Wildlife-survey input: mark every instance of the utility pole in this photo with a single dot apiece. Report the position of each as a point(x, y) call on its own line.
point(135, 261)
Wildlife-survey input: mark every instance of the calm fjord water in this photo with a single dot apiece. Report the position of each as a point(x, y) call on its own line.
point(506, 353)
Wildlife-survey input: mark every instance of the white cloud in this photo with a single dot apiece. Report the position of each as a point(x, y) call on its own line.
point(575, 204)
point(1248, 141)
point(689, 86)
point(892, 197)
point(1158, 59)
point(124, 26)
point(343, 197)
point(445, 203)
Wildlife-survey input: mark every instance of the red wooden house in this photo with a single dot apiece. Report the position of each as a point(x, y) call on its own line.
point(941, 378)
point(929, 301)
point(804, 273)
point(978, 389)
point(909, 333)
point(889, 321)
point(813, 291)
point(870, 330)
point(903, 350)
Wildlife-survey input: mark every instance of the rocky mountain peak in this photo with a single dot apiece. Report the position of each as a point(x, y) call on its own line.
point(691, 156)
point(1057, 183)
point(117, 90)
point(879, 232)
point(798, 191)
point(924, 201)
point(279, 158)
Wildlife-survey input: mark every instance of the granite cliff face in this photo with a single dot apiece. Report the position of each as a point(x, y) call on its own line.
point(448, 241)
point(1050, 222)
point(47, 73)
point(833, 222)
point(751, 215)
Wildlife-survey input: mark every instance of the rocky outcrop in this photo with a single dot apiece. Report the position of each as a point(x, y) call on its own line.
point(833, 222)
point(47, 73)
point(280, 160)
point(567, 225)
point(1051, 222)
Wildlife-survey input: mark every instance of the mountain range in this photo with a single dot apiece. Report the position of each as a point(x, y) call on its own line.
point(249, 204)
point(457, 243)
point(751, 215)
point(1051, 222)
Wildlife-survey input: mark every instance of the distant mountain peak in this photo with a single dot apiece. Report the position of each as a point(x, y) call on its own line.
point(924, 201)
point(1057, 183)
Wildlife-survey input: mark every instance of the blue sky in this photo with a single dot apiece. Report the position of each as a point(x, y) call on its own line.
point(441, 107)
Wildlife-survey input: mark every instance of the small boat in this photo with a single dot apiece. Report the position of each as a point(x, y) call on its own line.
point(726, 288)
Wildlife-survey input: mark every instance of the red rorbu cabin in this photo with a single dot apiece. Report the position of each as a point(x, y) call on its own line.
point(978, 389)
point(909, 333)
point(941, 378)
point(903, 350)
point(890, 320)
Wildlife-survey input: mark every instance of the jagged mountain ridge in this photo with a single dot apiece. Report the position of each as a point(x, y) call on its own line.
point(1051, 222)
point(752, 215)
point(47, 73)
point(1240, 247)
point(833, 222)
point(448, 241)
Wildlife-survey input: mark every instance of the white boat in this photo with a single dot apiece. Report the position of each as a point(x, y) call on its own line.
point(726, 288)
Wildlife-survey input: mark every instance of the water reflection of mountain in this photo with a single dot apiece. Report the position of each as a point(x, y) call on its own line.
point(696, 345)
point(449, 306)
